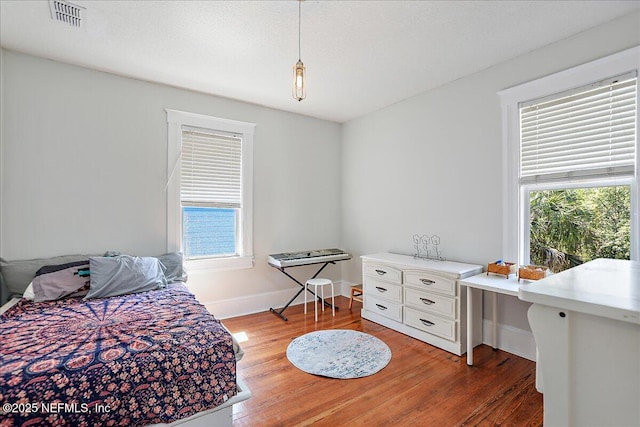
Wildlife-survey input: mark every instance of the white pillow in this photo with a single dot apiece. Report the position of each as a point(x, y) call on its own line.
point(28, 293)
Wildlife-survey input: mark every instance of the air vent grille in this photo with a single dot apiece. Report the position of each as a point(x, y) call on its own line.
point(66, 12)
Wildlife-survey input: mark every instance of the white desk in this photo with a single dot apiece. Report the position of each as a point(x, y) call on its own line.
point(496, 285)
point(586, 322)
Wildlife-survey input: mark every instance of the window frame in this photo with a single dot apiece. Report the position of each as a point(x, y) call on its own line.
point(176, 120)
point(515, 210)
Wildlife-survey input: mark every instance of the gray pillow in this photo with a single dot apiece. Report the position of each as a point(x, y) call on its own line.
point(18, 274)
point(174, 268)
point(172, 261)
point(4, 292)
point(124, 274)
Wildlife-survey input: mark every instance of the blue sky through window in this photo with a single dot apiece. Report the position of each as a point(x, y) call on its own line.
point(208, 231)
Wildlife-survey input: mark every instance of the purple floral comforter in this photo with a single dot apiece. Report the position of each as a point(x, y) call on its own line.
point(152, 357)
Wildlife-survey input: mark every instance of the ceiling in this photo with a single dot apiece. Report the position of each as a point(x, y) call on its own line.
point(360, 55)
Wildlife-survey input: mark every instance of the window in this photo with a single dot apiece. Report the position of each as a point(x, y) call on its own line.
point(209, 190)
point(210, 193)
point(570, 164)
point(570, 226)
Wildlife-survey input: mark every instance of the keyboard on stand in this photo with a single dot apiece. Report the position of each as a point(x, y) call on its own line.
point(292, 259)
point(295, 259)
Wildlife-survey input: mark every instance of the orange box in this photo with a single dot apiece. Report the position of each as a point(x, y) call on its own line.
point(532, 272)
point(504, 270)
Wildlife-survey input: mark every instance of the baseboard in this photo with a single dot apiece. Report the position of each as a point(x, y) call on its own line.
point(257, 303)
point(510, 339)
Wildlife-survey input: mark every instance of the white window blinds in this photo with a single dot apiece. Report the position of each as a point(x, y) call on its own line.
point(211, 169)
point(588, 132)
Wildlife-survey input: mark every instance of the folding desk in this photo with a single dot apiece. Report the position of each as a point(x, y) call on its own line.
point(496, 285)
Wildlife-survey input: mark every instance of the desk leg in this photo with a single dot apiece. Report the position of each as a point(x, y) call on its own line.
point(494, 338)
point(469, 326)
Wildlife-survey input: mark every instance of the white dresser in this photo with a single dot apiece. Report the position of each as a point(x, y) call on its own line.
point(420, 298)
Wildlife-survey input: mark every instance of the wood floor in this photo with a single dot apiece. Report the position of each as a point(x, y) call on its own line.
point(421, 386)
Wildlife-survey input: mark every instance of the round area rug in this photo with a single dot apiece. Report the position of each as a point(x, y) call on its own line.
point(339, 353)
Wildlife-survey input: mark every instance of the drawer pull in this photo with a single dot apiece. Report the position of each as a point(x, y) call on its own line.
point(427, 281)
point(381, 307)
point(381, 272)
point(427, 323)
point(381, 289)
point(427, 301)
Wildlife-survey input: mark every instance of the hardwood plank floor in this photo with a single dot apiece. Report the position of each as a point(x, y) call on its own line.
point(421, 386)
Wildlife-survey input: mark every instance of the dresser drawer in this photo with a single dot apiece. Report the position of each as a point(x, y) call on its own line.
point(388, 309)
point(381, 289)
point(430, 282)
point(430, 323)
point(430, 302)
point(384, 272)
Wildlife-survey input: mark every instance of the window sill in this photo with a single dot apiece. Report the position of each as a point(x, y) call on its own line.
point(219, 264)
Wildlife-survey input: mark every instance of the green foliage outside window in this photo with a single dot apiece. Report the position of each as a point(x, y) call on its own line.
point(569, 227)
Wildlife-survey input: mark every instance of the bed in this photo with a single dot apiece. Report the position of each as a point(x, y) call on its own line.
point(146, 357)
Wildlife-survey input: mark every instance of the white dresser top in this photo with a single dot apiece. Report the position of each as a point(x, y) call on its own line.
point(408, 261)
point(602, 287)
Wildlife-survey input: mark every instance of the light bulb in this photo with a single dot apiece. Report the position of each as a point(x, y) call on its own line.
point(299, 89)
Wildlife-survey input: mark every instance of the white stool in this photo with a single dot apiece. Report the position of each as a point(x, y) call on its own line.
point(319, 283)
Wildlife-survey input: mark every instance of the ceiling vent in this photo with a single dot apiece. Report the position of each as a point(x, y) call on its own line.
point(66, 12)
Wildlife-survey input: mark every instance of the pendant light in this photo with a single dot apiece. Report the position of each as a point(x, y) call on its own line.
point(299, 70)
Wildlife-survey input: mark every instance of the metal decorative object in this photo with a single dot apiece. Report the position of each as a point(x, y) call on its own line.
point(427, 247)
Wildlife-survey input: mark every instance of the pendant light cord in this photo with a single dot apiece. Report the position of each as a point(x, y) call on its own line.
point(299, 5)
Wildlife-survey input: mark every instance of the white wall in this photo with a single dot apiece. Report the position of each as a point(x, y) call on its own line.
point(432, 163)
point(84, 169)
